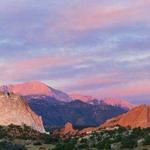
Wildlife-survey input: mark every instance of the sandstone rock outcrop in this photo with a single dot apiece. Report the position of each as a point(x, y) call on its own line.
point(67, 131)
point(137, 117)
point(14, 110)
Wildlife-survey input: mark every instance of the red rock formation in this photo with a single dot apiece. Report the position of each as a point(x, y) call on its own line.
point(14, 110)
point(87, 130)
point(68, 129)
point(137, 117)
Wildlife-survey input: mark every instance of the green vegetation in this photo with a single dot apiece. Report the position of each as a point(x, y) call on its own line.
point(15, 137)
point(118, 138)
point(7, 145)
point(24, 138)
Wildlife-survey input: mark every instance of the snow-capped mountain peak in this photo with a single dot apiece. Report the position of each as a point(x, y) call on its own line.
point(36, 88)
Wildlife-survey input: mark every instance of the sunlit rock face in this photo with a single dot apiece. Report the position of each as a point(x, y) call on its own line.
point(68, 129)
point(137, 117)
point(108, 100)
point(118, 102)
point(36, 88)
point(14, 110)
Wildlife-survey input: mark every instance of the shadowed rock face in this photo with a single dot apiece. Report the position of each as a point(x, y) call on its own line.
point(137, 117)
point(14, 110)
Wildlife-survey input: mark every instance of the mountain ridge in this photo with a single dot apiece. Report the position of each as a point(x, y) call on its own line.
point(108, 100)
point(40, 89)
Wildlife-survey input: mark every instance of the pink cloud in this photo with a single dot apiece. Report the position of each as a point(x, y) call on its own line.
point(96, 16)
point(14, 70)
point(128, 89)
point(116, 86)
point(80, 84)
point(98, 79)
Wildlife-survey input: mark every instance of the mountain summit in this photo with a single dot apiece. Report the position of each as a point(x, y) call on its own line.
point(137, 117)
point(109, 101)
point(118, 102)
point(83, 98)
point(36, 88)
point(14, 110)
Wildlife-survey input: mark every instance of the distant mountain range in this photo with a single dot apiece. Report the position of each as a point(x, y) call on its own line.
point(57, 107)
point(136, 117)
point(77, 112)
point(108, 100)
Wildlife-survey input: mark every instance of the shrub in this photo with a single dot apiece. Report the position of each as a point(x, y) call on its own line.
point(128, 143)
point(6, 145)
point(106, 144)
point(146, 140)
point(64, 146)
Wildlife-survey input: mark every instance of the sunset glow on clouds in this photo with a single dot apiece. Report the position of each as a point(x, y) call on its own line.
point(94, 47)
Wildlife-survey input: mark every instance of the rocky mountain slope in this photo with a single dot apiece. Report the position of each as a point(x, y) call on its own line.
point(137, 117)
point(110, 101)
point(56, 113)
point(118, 102)
point(14, 110)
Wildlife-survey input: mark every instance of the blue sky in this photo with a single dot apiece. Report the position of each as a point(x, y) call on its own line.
point(93, 47)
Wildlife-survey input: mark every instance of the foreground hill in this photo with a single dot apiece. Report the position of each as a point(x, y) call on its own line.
point(14, 110)
point(137, 117)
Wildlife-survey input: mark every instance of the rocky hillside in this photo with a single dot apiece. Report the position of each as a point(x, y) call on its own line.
point(137, 117)
point(14, 110)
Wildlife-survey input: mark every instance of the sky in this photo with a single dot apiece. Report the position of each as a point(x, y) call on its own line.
point(91, 47)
